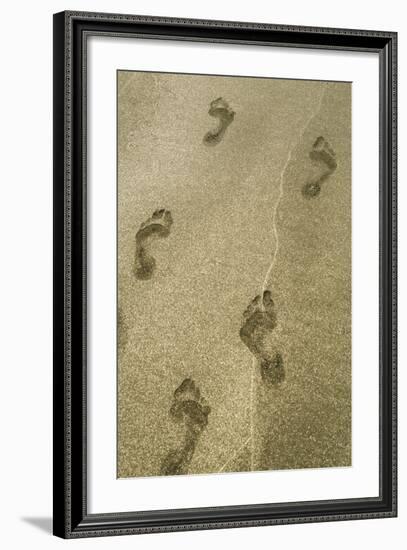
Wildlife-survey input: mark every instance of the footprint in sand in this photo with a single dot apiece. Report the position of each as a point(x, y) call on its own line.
point(156, 227)
point(259, 320)
point(323, 158)
point(219, 109)
point(190, 409)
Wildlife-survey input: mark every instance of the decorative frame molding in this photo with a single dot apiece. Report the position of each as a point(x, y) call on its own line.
point(71, 30)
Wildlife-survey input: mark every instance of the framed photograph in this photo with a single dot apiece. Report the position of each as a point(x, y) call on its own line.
point(224, 274)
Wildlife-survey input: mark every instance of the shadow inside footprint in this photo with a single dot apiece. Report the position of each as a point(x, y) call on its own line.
point(272, 371)
point(190, 409)
point(219, 109)
point(259, 321)
point(177, 460)
point(323, 156)
point(156, 227)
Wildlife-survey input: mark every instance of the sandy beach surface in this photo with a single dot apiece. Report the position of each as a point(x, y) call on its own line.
point(240, 224)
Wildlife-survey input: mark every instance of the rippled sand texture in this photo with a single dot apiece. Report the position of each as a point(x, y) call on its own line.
point(238, 197)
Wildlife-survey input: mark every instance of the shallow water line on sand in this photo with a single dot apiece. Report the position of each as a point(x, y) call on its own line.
point(281, 192)
point(265, 284)
point(273, 261)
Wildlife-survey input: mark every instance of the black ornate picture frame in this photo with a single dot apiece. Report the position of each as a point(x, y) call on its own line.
point(71, 517)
